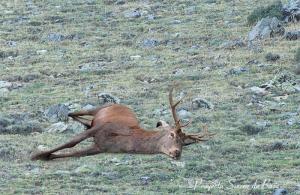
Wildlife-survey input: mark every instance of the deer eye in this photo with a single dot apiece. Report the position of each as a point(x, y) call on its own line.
point(172, 135)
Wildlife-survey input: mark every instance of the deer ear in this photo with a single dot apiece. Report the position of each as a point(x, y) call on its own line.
point(159, 124)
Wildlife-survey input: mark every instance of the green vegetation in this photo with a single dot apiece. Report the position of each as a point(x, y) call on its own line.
point(273, 10)
point(80, 48)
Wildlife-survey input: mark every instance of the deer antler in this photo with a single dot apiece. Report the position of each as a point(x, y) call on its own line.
point(187, 138)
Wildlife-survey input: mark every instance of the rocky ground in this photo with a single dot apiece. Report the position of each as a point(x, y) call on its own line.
point(60, 56)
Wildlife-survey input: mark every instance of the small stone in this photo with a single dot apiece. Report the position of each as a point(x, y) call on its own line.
point(272, 57)
point(259, 91)
point(280, 191)
point(108, 98)
point(58, 112)
point(237, 71)
point(150, 43)
point(144, 180)
point(5, 84)
point(292, 36)
point(291, 121)
point(132, 14)
point(233, 44)
point(59, 127)
point(136, 57)
point(202, 103)
point(41, 52)
point(55, 37)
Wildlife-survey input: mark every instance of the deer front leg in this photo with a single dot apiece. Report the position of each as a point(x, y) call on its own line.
point(78, 153)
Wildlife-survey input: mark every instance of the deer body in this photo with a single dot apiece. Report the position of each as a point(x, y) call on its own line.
point(115, 129)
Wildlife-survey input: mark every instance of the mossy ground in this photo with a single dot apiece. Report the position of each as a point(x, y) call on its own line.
point(229, 164)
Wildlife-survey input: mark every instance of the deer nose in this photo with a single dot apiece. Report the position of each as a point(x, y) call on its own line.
point(177, 153)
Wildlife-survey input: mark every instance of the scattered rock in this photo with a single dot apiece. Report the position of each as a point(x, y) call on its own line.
point(59, 127)
point(280, 191)
point(233, 44)
point(202, 103)
point(145, 180)
point(150, 43)
point(120, 2)
point(58, 112)
point(41, 52)
point(259, 91)
point(292, 35)
point(108, 98)
point(132, 14)
point(5, 84)
point(272, 57)
point(55, 37)
point(266, 28)
point(291, 11)
point(237, 71)
point(11, 43)
point(263, 124)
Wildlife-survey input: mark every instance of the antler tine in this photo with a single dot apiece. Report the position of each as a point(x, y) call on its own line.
point(199, 137)
point(173, 109)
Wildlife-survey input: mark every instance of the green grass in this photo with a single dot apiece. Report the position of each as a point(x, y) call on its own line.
point(228, 164)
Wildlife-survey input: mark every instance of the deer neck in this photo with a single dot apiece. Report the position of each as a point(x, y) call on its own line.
point(149, 143)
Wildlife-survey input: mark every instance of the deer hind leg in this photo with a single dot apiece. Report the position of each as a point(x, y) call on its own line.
point(92, 150)
point(44, 155)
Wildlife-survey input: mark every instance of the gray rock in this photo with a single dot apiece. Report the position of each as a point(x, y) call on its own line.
point(292, 35)
point(233, 44)
point(266, 28)
point(55, 37)
point(58, 112)
point(11, 43)
point(120, 2)
point(292, 121)
point(259, 91)
point(108, 98)
point(145, 180)
point(150, 43)
point(237, 71)
point(59, 127)
point(5, 84)
point(132, 14)
point(291, 11)
point(263, 124)
point(272, 57)
point(202, 103)
point(280, 191)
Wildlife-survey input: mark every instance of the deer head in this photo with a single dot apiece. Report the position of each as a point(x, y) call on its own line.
point(173, 138)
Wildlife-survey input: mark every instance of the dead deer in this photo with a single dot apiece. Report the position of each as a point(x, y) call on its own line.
point(115, 129)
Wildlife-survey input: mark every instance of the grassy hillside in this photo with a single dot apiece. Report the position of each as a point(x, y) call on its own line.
point(58, 51)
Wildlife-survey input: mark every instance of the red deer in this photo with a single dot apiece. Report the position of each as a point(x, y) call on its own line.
point(115, 129)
